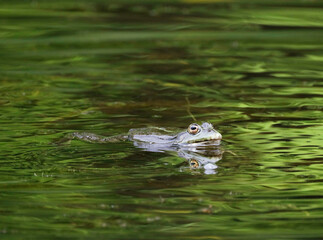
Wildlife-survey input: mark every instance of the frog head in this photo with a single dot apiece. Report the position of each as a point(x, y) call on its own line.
point(197, 134)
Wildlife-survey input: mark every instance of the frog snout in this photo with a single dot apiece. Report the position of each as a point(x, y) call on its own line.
point(220, 136)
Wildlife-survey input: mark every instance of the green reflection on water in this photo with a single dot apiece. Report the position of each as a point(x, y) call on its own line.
point(251, 68)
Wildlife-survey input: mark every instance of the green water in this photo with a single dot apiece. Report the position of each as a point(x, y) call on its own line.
point(251, 68)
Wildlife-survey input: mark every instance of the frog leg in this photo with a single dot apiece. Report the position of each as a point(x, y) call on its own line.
point(93, 138)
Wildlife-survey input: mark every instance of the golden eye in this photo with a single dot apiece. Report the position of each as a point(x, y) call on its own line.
point(194, 163)
point(193, 128)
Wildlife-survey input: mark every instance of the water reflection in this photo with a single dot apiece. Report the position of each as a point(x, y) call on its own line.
point(198, 158)
point(202, 159)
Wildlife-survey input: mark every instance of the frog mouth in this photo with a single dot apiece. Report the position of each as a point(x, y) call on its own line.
point(209, 142)
point(205, 142)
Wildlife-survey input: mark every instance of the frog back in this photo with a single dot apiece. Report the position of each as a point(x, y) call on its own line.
point(153, 135)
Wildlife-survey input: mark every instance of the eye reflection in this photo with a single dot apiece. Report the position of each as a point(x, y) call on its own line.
point(194, 163)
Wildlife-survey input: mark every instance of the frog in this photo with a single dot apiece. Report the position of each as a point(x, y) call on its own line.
point(196, 135)
point(199, 144)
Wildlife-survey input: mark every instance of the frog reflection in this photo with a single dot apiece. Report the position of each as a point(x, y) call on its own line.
point(201, 159)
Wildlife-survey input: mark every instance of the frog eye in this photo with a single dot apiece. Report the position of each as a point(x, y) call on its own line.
point(193, 128)
point(194, 163)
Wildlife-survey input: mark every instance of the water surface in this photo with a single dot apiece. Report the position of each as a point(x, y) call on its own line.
point(251, 68)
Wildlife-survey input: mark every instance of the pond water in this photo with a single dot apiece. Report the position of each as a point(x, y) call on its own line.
point(251, 68)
